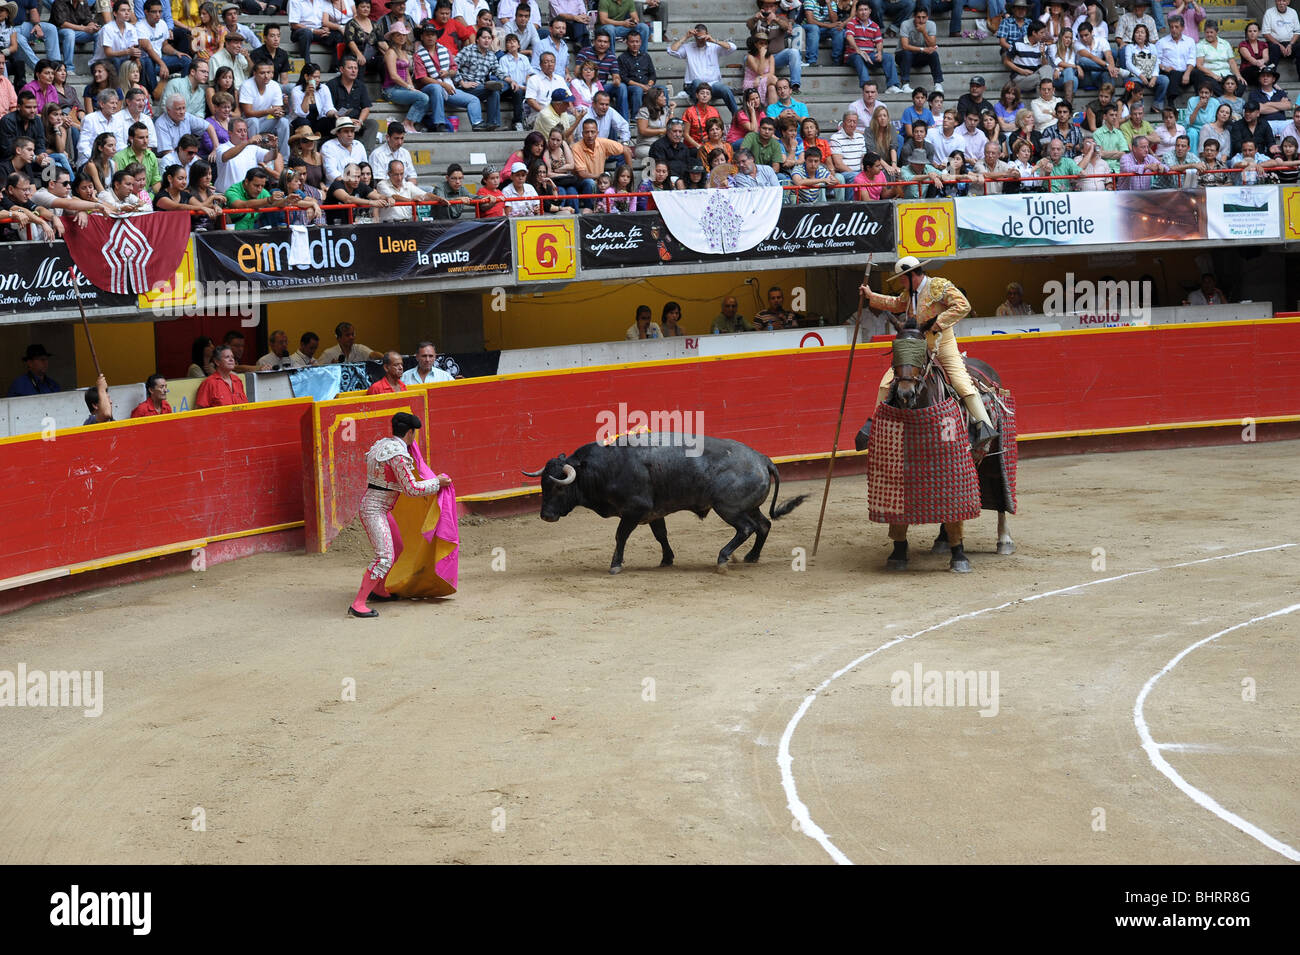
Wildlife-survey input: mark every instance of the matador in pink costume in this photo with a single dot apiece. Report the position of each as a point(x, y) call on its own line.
point(390, 472)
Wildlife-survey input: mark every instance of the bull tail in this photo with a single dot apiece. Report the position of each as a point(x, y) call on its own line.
point(776, 512)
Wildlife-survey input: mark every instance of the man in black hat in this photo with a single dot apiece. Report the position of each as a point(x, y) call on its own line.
point(1251, 127)
point(974, 101)
point(35, 381)
point(1273, 102)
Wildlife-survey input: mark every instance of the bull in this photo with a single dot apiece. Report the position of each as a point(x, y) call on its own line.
point(642, 478)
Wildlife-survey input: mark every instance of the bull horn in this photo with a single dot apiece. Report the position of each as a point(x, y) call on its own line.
point(570, 475)
point(532, 473)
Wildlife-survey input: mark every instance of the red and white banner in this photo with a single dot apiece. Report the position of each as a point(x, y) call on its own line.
point(129, 255)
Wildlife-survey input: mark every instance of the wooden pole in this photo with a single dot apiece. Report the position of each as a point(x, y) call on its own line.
point(839, 423)
point(72, 274)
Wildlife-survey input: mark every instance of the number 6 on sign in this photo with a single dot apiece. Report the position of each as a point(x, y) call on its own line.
point(926, 229)
point(545, 250)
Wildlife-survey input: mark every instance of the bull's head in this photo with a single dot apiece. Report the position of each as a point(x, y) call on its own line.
point(560, 491)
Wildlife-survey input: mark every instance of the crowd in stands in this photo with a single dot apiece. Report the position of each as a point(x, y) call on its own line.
point(188, 108)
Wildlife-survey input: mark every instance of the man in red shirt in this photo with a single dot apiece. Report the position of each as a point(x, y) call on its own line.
point(222, 387)
point(155, 401)
point(453, 34)
point(865, 43)
point(392, 380)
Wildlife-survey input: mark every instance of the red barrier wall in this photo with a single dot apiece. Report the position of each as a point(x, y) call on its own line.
point(109, 489)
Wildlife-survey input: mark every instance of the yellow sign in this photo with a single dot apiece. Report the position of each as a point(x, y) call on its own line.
point(181, 291)
point(547, 249)
point(927, 230)
point(1291, 203)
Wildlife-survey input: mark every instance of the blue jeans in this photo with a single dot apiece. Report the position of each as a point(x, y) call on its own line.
point(51, 41)
point(71, 41)
point(812, 35)
point(789, 58)
point(863, 63)
point(439, 99)
point(936, 7)
point(634, 97)
point(278, 127)
point(720, 91)
point(618, 94)
point(908, 60)
point(61, 161)
point(617, 33)
point(899, 11)
point(1069, 77)
point(415, 101)
point(493, 100)
point(1092, 75)
point(1162, 87)
point(176, 65)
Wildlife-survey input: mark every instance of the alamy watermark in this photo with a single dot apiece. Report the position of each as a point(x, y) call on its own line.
point(185, 298)
point(1099, 303)
point(652, 429)
point(78, 689)
point(918, 687)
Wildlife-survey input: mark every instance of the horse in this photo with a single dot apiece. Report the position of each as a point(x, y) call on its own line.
point(921, 386)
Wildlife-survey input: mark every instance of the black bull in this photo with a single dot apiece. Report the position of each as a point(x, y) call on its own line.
point(642, 478)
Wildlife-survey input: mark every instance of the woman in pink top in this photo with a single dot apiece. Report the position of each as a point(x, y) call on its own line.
point(43, 86)
point(760, 70)
point(1192, 15)
point(747, 117)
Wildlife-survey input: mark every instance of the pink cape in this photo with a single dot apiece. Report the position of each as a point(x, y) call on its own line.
point(430, 566)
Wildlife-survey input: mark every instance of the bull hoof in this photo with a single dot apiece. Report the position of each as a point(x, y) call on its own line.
point(1006, 547)
point(615, 568)
point(960, 567)
point(940, 547)
point(722, 568)
point(895, 565)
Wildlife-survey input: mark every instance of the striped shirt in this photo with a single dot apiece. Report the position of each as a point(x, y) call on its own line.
point(605, 65)
point(866, 33)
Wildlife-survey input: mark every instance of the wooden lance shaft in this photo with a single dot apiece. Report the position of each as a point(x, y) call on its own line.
point(72, 274)
point(839, 422)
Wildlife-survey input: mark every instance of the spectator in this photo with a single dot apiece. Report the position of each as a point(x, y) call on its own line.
point(771, 22)
point(1291, 129)
point(520, 23)
point(698, 115)
point(137, 111)
point(303, 200)
point(350, 97)
point(1136, 124)
point(160, 58)
point(1111, 142)
point(729, 319)
point(760, 72)
point(764, 146)
point(992, 175)
point(810, 135)
point(1183, 165)
point(811, 177)
point(311, 104)
point(515, 70)
point(1026, 58)
point(972, 102)
point(993, 133)
point(559, 167)
point(1022, 163)
point(897, 11)
point(970, 138)
point(1140, 162)
point(557, 114)
point(233, 57)
point(621, 184)
point(874, 181)
point(1064, 131)
point(616, 18)
point(918, 110)
point(223, 386)
point(393, 148)
point(155, 400)
point(120, 197)
point(865, 105)
point(1015, 303)
point(24, 122)
point(1215, 59)
point(671, 148)
point(1273, 102)
point(1013, 29)
point(235, 339)
point(1065, 64)
point(637, 72)
point(261, 102)
point(609, 124)
point(343, 149)
point(1212, 165)
point(643, 328)
point(312, 21)
point(519, 189)
point(775, 316)
point(1280, 26)
point(944, 137)
point(1207, 293)
point(1251, 128)
point(670, 321)
point(351, 189)
point(541, 86)
point(230, 20)
point(1025, 130)
point(1094, 169)
point(919, 140)
point(751, 174)
point(399, 77)
point(1055, 164)
point(553, 43)
point(607, 76)
point(58, 198)
point(1249, 161)
point(233, 160)
point(98, 403)
point(175, 123)
point(1253, 52)
point(361, 36)
point(1201, 109)
point(658, 181)
point(208, 32)
point(76, 28)
point(1092, 114)
point(1167, 133)
point(591, 153)
point(117, 40)
point(34, 381)
point(1096, 63)
point(271, 52)
point(481, 78)
point(864, 42)
point(703, 56)
point(919, 46)
point(785, 102)
point(1123, 33)
point(1177, 55)
point(277, 359)
point(304, 357)
point(576, 18)
point(426, 371)
point(848, 144)
point(137, 151)
point(347, 349)
point(203, 362)
point(392, 380)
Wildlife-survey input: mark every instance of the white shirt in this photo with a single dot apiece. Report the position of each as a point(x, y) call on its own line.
point(506, 13)
point(610, 126)
point(122, 123)
point(521, 208)
point(864, 112)
point(234, 170)
point(1282, 26)
point(540, 87)
point(382, 156)
point(850, 149)
point(110, 37)
point(94, 124)
point(324, 100)
point(467, 10)
point(412, 375)
point(335, 157)
point(971, 144)
point(1098, 49)
point(275, 362)
point(1198, 297)
point(358, 353)
point(269, 98)
point(156, 35)
point(409, 192)
point(1176, 56)
point(299, 360)
point(702, 64)
point(307, 13)
point(943, 145)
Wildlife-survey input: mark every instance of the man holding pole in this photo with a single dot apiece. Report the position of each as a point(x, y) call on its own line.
point(924, 297)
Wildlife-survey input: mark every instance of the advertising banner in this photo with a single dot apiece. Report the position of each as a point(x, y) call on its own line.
point(1080, 218)
point(34, 278)
point(378, 252)
point(801, 230)
point(1244, 212)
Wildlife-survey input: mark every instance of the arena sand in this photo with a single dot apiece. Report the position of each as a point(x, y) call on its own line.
point(552, 713)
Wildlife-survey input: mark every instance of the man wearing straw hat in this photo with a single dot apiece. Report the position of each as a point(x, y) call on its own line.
point(924, 297)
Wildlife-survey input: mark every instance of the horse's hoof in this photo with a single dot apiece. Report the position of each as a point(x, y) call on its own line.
point(893, 564)
point(616, 568)
point(1006, 547)
point(940, 547)
point(666, 562)
point(722, 568)
point(751, 558)
point(960, 567)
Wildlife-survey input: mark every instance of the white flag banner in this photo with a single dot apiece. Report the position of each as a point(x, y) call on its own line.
point(720, 221)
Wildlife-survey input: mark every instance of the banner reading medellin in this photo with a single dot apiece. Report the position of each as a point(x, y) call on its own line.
point(1080, 218)
point(378, 252)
